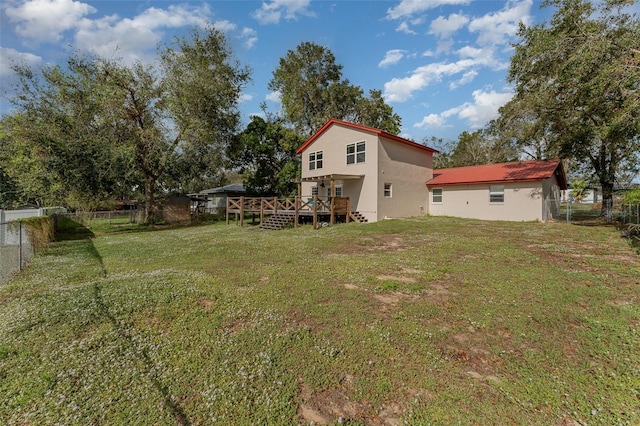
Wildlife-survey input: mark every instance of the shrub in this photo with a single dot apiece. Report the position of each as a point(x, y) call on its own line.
point(40, 230)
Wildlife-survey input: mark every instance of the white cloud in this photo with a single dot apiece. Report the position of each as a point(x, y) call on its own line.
point(484, 108)
point(497, 28)
point(408, 8)
point(404, 28)
point(274, 96)
point(401, 89)
point(131, 38)
point(466, 78)
point(46, 20)
point(271, 13)
point(445, 27)
point(244, 97)
point(224, 26)
point(432, 121)
point(9, 57)
point(392, 57)
point(250, 37)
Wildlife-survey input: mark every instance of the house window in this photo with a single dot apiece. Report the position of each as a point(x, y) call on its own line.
point(356, 152)
point(337, 191)
point(315, 160)
point(436, 195)
point(314, 190)
point(496, 194)
point(387, 190)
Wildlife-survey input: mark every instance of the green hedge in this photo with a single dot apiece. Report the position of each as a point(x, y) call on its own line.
point(40, 230)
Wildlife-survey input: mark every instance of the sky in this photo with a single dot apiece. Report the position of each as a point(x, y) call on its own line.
point(441, 64)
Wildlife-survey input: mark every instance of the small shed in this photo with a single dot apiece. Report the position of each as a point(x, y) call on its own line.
point(176, 208)
point(214, 200)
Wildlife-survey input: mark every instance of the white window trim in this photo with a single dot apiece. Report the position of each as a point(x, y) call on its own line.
point(356, 152)
point(315, 160)
point(336, 189)
point(384, 190)
point(314, 190)
point(496, 190)
point(433, 196)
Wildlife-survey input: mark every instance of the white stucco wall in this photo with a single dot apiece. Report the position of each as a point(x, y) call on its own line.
point(333, 144)
point(407, 169)
point(523, 201)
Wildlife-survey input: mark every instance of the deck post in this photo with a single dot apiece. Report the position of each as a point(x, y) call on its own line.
point(332, 208)
point(261, 211)
point(275, 205)
point(315, 212)
point(348, 215)
point(296, 209)
point(241, 211)
point(227, 211)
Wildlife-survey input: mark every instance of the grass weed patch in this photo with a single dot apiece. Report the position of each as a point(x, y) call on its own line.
point(423, 321)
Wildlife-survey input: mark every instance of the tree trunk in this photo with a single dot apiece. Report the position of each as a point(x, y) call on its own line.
point(150, 200)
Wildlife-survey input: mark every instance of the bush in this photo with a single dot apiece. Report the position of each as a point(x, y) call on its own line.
point(631, 197)
point(40, 230)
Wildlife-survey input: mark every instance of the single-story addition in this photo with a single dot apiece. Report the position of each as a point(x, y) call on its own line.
point(382, 174)
point(517, 191)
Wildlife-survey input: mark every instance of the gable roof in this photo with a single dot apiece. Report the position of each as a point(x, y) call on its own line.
point(520, 171)
point(380, 133)
point(234, 187)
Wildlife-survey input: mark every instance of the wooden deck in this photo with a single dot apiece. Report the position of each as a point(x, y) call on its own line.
point(318, 209)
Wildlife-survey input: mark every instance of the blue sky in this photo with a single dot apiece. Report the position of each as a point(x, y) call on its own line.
point(441, 64)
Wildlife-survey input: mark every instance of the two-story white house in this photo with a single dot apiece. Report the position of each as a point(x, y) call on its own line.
point(386, 176)
point(383, 174)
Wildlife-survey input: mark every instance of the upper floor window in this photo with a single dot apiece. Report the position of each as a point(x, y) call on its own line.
point(356, 152)
point(496, 194)
point(315, 160)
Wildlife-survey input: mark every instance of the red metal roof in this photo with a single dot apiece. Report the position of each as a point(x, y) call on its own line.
point(378, 132)
point(520, 171)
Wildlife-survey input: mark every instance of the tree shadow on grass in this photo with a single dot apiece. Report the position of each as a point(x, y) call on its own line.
point(71, 230)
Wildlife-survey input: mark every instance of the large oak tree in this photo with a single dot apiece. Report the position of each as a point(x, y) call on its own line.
point(577, 82)
point(184, 103)
point(313, 91)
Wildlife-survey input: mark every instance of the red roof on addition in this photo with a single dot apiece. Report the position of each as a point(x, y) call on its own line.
point(520, 171)
point(379, 132)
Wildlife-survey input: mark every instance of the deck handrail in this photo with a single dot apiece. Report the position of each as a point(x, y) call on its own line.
point(273, 205)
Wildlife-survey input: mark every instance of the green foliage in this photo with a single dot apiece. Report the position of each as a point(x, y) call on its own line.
point(99, 130)
point(479, 148)
point(313, 91)
point(579, 189)
point(265, 152)
point(631, 196)
point(576, 88)
point(40, 230)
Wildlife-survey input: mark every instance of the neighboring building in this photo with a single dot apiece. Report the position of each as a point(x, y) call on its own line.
point(214, 200)
point(176, 208)
point(518, 191)
point(382, 174)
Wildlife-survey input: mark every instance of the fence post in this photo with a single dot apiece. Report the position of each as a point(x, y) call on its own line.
point(20, 246)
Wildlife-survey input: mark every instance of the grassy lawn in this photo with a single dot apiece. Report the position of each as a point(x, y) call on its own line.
point(420, 321)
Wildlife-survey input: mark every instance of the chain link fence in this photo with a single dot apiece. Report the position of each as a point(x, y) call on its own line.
point(15, 249)
point(608, 212)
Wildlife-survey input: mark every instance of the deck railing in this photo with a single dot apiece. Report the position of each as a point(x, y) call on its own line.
point(313, 206)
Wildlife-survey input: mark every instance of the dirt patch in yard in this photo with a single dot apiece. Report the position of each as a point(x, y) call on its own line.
point(333, 406)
